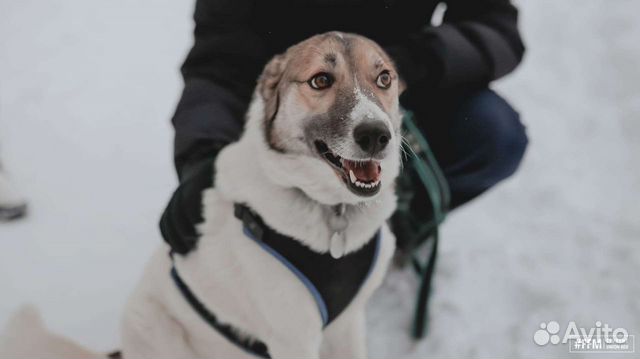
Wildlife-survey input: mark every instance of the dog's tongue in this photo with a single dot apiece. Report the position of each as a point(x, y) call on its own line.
point(368, 171)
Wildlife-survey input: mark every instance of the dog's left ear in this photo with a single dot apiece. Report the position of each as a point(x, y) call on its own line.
point(268, 84)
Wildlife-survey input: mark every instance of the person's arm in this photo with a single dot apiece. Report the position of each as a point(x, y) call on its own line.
point(219, 76)
point(477, 43)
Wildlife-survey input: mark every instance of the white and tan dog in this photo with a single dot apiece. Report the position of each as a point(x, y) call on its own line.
point(322, 131)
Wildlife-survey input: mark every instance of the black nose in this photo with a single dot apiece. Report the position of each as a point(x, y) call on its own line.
point(372, 136)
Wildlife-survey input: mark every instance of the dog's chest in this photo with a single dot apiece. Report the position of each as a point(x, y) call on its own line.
point(332, 282)
point(251, 289)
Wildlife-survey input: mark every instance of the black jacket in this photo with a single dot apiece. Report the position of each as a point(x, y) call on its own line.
point(477, 42)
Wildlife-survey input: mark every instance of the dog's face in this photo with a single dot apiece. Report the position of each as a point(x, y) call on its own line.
point(331, 112)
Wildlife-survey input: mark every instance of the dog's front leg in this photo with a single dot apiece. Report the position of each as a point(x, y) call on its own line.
point(345, 337)
point(149, 332)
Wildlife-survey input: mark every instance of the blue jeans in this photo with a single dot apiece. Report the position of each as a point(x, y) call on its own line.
point(477, 138)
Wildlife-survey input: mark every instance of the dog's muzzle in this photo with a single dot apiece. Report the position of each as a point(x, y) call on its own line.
point(362, 177)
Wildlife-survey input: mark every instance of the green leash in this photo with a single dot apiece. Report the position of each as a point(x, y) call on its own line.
point(431, 177)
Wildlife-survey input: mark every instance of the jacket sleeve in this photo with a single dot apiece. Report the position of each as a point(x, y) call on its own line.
point(477, 42)
point(219, 74)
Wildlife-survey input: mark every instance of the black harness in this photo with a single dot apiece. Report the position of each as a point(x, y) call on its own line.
point(333, 283)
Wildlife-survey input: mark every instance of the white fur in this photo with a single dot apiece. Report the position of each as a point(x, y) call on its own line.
point(241, 283)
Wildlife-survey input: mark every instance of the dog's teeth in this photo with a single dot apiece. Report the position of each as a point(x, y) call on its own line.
point(369, 185)
point(352, 176)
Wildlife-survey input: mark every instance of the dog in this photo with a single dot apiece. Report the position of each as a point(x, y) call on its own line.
point(294, 239)
point(322, 132)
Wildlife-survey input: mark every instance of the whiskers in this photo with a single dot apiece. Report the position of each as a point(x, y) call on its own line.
point(404, 145)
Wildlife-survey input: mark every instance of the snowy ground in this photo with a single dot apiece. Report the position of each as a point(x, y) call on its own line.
point(86, 91)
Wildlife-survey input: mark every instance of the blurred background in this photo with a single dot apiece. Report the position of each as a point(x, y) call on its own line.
point(87, 89)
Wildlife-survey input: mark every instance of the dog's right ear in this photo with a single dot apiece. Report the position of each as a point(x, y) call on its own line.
point(268, 84)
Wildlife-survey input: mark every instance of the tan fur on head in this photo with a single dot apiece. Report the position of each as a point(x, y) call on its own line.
point(308, 103)
point(268, 84)
point(353, 61)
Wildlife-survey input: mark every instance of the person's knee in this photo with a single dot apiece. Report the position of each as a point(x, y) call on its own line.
point(504, 139)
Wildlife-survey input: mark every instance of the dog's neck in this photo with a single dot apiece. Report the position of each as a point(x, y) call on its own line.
point(242, 178)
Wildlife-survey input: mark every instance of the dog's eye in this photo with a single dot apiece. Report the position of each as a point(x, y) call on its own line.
point(384, 80)
point(321, 81)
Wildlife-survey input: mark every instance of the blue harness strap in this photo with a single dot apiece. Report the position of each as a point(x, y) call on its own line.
point(315, 293)
point(322, 306)
point(332, 283)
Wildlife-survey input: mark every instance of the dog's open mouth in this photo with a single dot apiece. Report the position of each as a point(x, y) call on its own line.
point(362, 177)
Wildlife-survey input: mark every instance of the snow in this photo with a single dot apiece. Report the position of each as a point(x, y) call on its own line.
point(86, 92)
